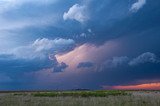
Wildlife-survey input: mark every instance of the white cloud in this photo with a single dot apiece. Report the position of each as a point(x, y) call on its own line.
point(89, 30)
point(46, 44)
point(77, 12)
point(138, 5)
point(89, 33)
point(83, 35)
point(41, 48)
point(144, 58)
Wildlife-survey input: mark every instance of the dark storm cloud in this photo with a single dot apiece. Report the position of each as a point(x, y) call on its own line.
point(116, 61)
point(124, 23)
point(15, 73)
point(34, 57)
point(85, 65)
point(11, 65)
point(125, 75)
point(133, 23)
point(132, 75)
point(108, 19)
point(146, 70)
point(60, 67)
point(119, 72)
point(147, 57)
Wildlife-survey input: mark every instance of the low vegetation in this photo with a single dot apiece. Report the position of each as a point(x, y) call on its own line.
point(79, 93)
point(81, 98)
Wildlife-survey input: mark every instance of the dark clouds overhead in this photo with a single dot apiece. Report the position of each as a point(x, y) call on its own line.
point(82, 43)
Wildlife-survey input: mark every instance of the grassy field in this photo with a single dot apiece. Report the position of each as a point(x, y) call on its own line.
point(81, 98)
point(79, 94)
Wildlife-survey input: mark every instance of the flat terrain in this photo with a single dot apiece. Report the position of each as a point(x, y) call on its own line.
point(81, 98)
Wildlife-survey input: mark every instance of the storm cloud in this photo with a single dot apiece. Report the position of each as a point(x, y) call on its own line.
point(54, 44)
point(85, 65)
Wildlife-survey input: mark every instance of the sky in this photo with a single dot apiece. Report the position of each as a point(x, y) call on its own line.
point(79, 44)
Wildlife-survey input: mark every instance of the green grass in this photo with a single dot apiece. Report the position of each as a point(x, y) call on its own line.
point(101, 93)
point(80, 98)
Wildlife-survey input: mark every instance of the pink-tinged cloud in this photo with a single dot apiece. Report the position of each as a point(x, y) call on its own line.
point(89, 52)
point(150, 86)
